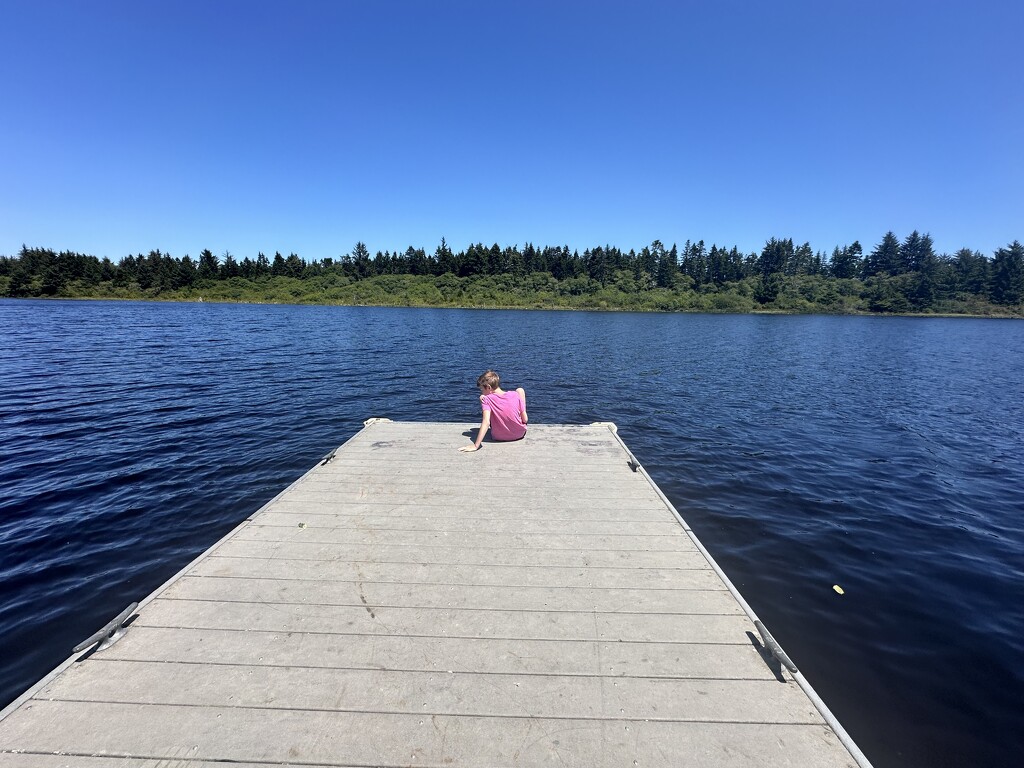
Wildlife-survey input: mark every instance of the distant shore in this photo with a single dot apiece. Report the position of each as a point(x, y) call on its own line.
point(285, 291)
point(784, 279)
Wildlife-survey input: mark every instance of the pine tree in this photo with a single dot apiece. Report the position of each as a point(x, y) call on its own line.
point(207, 265)
point(776, 256)
point(262, 268)
point(845, 262)
point(445, 259)
point(185, 273)
point(229, 266)
point(295, 266)
point(1008, 275)
point(915, 252)
point(885, 258)
point(695, 262)
point(972, 271)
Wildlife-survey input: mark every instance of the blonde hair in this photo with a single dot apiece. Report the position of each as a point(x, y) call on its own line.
point(489, 379)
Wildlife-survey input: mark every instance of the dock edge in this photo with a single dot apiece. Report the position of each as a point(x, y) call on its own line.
point(804, 684)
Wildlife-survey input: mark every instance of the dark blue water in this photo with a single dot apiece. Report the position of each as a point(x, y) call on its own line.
point(885, 455)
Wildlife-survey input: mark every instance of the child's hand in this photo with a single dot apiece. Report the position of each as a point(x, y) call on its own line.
point(468, 448)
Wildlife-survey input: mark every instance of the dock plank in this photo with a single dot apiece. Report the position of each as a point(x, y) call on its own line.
point(580, 539)
point(433, 693)
point(414, 520)
point(571, 510)
point(430, 622)
point(453, 554)
point(411, 595)
point(602, 576)
point(739, 661)
point(286, 737)
point(532, 603)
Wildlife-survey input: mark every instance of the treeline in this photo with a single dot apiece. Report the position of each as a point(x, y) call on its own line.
point(896, 276)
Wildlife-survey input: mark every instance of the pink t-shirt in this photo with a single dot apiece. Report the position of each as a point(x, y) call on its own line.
point(506, 422)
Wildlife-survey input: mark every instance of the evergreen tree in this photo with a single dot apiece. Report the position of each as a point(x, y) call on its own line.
point(695, 262)
point(229, 266)
point(540, 260)
point(598, 267)
point(885, 258)
point(802, 261)
point(776, 256)
point(767, 288)
point(886, 293)
point(262, 268)
point(21, 282)
point(167, 272)
point(186, 272)
point(926, 278)
point(915, 251)
point(972, 271)
point(494, 263)
point(127, 271)
point(718, 268)
point(668, 265)
point(471, 261)
point(646, 266)
point(724, 266)
point(107, 270)
point(514, 264)
point(361, 262)
point(35, 260)
point(312, 269)
point(208, 267)
point(53, 279)
point(845, 262)
point(144, 272)
point(295, 266)
point(665, 266)
point(417, 260)
point(382, 263)
point(445, 259)
point(1008, 275)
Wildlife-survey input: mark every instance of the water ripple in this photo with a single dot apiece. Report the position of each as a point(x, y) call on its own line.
point(885, 455)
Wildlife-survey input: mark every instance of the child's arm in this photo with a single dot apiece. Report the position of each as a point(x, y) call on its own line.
point(485, 424)
point(522, 405)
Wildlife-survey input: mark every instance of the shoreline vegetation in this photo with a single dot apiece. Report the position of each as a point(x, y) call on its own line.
point(897, 277)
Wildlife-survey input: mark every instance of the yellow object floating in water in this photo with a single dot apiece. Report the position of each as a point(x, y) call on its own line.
point(838, 589)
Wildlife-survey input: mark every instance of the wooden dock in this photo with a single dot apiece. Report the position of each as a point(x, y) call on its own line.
point(404, 604)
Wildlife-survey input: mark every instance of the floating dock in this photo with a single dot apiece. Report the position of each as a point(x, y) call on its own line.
point(403, 604)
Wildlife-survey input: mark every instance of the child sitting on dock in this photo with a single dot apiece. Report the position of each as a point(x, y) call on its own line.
point(504, 413)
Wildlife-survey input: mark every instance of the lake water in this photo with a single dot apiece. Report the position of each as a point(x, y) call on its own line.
point(885, 455)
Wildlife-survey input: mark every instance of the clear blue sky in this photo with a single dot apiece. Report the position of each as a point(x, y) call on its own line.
point(308, 125)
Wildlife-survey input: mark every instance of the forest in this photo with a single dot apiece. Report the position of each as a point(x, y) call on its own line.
point(895, 277)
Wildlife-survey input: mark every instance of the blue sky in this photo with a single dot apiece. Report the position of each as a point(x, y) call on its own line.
point(306, 126)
